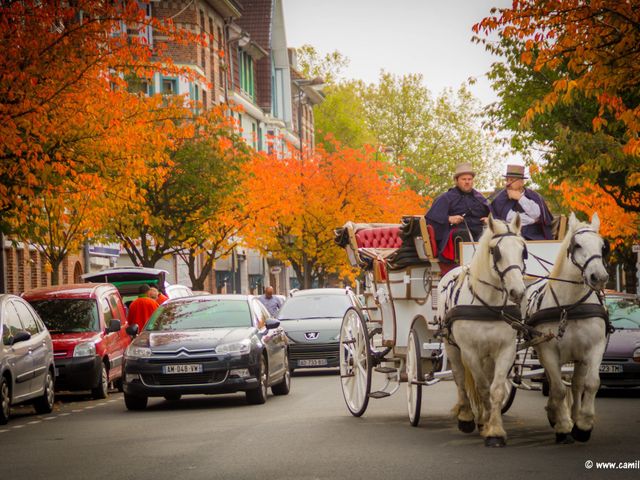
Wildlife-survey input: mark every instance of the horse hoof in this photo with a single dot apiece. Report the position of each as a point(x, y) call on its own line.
point(495, 442)
point(564, 438)
point(581, 435)
point(466, 426)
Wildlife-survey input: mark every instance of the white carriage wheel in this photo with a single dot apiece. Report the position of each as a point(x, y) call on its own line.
point(355, 362)
point(414, 375)
point(511, 393)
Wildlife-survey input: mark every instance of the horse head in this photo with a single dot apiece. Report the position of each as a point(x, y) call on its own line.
point(588, 251)
point(507, 251)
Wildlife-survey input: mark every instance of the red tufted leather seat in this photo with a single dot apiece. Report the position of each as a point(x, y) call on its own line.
point(383, 237)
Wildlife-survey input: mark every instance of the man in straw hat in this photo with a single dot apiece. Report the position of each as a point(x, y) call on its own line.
point(515, 198)
point(458, 213)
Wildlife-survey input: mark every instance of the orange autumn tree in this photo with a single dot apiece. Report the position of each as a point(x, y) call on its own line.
point(593, 48)
point(302, 201)
point(64, 72)
point(619, 226)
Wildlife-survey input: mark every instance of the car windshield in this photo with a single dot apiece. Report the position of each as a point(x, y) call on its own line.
point(64, 315)
point(200, 314)
point(314, 306)
point(624, 313)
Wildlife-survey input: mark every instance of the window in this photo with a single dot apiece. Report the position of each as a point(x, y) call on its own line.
point(221, 47)
point(203, 51)
point(246, 73)
point(10, 324)
point(63, 315)
point(169, 86)
point(106, 311)
point(260, 313)
point(204, 100)
point(28, 321)
point(254, 135)
point(115, 310)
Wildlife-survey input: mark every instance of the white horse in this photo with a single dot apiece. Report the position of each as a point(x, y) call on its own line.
point(477, 302)
point(567, 306)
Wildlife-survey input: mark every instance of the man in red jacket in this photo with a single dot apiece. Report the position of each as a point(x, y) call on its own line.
point(141, 308)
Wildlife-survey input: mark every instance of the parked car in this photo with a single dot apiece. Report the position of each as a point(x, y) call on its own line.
point(129, 279)
point(207, 345)
point(178, 291)
point(26, 358)
point(88, 327)
point(621, 361)
point(312, 320)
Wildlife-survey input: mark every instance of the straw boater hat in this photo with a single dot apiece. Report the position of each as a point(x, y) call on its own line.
point(464, 168)
point(515, 171)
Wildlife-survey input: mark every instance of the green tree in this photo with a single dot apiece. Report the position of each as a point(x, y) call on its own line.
point(428, 136)
point(342, 116)
point(180, 206)
point(328, 67)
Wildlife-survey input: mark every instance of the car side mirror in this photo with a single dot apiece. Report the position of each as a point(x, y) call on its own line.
point(114, 326)
point(132, 330)
point(20, 336)
point(272, 323)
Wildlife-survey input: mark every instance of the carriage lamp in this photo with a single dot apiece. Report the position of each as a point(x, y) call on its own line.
point(636, 355)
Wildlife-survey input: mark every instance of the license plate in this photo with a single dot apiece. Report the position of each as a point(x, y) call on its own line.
point(610, 368)
point(182, 369)
point(316, 362)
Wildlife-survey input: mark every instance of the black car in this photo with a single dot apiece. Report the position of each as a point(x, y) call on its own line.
point(312, 320)
point(206, 345)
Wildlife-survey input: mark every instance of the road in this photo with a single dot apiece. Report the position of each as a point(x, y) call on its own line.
point(306, 435)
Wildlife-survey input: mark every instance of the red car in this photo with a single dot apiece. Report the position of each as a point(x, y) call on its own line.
point(88, 324)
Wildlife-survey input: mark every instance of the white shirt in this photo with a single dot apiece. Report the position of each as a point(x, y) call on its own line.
point(531, 212)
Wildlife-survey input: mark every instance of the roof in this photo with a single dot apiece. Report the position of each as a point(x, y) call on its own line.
point(152, 271)
point(73, 290)
point(321, 291)
point(256, 19)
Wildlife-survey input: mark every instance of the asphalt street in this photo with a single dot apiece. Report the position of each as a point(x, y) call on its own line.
point(306, 435)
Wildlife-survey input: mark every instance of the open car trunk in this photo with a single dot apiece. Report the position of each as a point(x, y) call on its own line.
point(128, 280)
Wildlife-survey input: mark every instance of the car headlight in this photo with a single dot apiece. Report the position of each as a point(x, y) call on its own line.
point(636, 355)
point(134, 351)
point(235, 348)
point(86, 349)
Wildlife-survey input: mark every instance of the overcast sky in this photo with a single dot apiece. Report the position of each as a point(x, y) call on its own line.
point(431, 37)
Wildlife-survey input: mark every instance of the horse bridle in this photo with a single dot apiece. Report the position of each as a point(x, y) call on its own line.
point(571, 250)
point(496, 255)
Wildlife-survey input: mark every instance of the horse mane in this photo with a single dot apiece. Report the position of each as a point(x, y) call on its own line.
point(481, 257)
point(561, 259)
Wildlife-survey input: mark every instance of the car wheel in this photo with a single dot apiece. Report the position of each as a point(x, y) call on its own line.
point(102, 390)
point(173, 398)
point(5, 401)
point(284, 386)
point(258, 395)
point(44, 404)
point(135, 403)
point(118, 385)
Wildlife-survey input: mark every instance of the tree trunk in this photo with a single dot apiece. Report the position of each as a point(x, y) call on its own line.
point(55, 271)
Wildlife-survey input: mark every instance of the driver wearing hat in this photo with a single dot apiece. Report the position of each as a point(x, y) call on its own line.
point(515, 198)
point(458, 213)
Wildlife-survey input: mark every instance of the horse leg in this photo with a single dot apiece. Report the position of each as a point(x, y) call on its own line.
point(462, 410)
point(495, 435)
point(478, 388)
point(557, 409)
point(577, 388)
point(584, 417)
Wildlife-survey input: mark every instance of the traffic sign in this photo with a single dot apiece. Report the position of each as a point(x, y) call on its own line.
point(276, 270)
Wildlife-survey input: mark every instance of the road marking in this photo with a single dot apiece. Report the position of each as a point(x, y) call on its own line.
point(76, 410)
point(51, 418)
point(64, 414)
point(15, 427)
point(2, 431)
point(100, 404)
point(90, 407)
point(34, 422)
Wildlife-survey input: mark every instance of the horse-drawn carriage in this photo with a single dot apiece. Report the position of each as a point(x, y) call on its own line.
point(403, 334)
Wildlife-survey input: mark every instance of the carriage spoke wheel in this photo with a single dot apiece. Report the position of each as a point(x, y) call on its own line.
point(355, 362)
point(510, 394)
point(414, 375)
